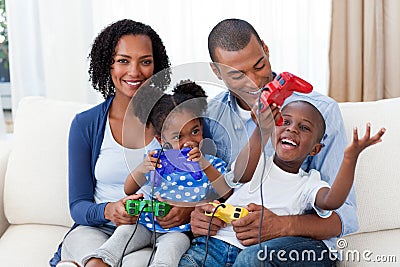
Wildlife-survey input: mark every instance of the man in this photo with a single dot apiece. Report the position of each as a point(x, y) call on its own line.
point(241, 59)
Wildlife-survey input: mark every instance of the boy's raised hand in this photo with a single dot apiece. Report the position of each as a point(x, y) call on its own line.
point(267, 119)
point(358, 145)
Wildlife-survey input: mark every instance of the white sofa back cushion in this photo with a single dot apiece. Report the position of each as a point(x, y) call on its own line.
point(377, 182)
point(38, 162)
point(36, 180)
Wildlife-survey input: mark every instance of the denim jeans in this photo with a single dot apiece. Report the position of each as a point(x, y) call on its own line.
point(219, 253)
point(283, 251)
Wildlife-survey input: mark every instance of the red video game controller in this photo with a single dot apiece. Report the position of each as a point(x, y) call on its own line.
point(281, 88)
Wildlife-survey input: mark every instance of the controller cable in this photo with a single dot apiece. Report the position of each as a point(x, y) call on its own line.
point(262, 263)
point(166, 145)
point(133, 233)
point(209, 230)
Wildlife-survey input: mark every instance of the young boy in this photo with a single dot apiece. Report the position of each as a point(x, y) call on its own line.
point(287, 189)
point(300, 136)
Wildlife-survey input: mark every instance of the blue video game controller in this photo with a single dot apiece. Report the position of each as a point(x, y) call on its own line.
point(173, 160)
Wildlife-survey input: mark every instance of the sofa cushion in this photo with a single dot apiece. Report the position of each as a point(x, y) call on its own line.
point(30, 244)
point(379, 248)
point(377, 180)
point(35, 188)
point(5, 148)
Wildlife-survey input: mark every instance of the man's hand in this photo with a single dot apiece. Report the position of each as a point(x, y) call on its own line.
point(115, 211)
point(247, 228)
point(199, 222)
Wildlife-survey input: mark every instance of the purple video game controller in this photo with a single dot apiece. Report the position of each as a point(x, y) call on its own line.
point(173, 160)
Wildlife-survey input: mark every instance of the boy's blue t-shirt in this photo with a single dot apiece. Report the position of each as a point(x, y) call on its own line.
point(180, 186)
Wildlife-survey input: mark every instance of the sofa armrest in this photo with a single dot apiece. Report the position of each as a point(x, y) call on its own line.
point(5, 148)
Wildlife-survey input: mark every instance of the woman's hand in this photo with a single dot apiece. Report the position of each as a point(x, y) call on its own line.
point(178, 215)
point(115, 211)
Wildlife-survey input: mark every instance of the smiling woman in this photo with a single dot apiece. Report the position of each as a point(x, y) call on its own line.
point(123, 56)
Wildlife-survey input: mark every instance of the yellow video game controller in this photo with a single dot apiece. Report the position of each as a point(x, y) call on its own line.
point(227, 212)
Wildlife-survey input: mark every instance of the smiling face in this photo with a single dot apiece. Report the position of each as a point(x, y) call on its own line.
point(181, 127)
point(299, 136)
point(244, 71)
point(133, 64)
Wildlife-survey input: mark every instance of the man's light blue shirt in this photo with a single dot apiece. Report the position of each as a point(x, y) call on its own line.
point(230, 133)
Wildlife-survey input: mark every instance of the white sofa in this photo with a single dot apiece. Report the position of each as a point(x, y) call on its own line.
point(34, 212)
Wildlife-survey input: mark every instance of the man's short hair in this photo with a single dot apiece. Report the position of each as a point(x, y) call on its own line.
point(230, 35)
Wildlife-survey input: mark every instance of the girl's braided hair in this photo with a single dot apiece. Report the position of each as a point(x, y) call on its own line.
point(152, 106)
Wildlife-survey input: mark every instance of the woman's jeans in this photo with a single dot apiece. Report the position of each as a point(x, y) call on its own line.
point(108, 244)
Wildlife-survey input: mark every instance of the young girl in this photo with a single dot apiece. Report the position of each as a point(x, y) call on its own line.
point(176, 120)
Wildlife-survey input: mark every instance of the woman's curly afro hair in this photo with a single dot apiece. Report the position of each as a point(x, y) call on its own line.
point(103, 49)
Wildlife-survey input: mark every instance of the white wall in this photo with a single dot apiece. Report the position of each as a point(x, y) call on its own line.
point(50, 40)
